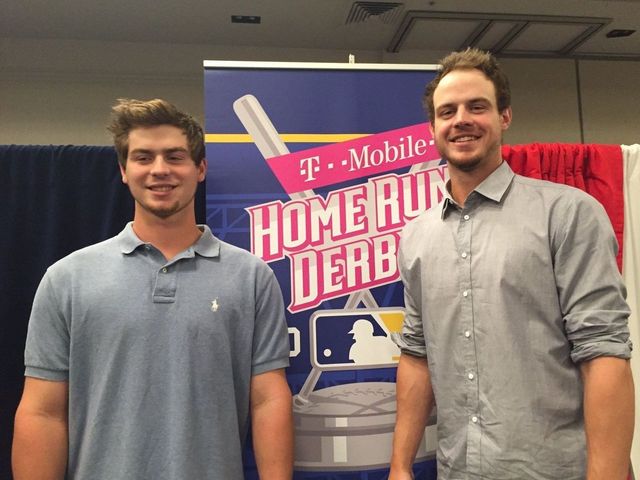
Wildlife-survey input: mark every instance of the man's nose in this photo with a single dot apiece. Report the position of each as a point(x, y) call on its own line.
point(462, 116)
point(159, 166)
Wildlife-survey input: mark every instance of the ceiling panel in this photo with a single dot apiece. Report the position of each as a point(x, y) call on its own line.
point(496, 31)
point(434, 34)
point(546, 37)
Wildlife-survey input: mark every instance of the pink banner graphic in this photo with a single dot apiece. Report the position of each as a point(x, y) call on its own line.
point(347, 241)
point(339, 162)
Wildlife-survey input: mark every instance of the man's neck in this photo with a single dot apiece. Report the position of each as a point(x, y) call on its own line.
point(170, 236)
point(464, 182)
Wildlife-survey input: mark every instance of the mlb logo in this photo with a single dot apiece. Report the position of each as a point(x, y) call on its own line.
point(353, 339)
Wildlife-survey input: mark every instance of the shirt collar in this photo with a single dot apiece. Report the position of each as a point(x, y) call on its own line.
point(493, 187)
point(207, 245)
point(128, 240)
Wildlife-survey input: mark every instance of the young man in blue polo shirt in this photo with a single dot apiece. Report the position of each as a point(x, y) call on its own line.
point(147, 353)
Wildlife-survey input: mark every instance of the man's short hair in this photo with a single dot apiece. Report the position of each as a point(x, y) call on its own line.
point(128, 114)
point(470, 59)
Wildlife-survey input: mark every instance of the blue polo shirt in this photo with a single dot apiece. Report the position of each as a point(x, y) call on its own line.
point(158, 354)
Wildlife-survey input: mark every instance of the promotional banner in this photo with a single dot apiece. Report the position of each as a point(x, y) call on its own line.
point(315, 168)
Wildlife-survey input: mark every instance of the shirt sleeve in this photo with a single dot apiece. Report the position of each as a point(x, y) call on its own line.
point(47, 347)
point(411, 339)
point(270, 337)
point(590, 288)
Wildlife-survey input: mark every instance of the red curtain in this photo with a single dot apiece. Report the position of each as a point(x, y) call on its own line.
point(596, 169)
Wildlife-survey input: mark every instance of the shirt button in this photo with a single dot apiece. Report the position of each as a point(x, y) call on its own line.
point(465, 293)
point(466, 217)
point(467, 333)
point(147, 247)
point(470, 376)
point(164, 270)
point(474, 419)
point(464, 255)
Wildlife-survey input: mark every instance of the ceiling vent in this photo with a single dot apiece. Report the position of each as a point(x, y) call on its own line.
point(386, 12)
point(620, 33)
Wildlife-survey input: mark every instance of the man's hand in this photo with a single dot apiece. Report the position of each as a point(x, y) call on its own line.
point(400, 475)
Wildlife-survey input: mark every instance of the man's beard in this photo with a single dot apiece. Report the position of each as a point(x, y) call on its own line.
point(466, 166)
point(163, 212)
point(167, 211)
point(470, 164)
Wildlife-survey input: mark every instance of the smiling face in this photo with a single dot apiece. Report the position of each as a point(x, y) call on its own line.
point(467, 126)
point(160, 172)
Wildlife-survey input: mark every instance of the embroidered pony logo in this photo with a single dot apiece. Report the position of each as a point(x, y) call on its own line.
point(214, 305)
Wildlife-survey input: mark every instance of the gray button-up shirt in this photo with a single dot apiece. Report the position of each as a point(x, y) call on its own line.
point(505, 297)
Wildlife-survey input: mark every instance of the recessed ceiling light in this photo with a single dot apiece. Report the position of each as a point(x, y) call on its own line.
point(619, 33)
point(245, 19)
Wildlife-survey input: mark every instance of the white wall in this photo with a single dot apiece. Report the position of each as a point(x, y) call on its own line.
point(60, 91)
point(544, 99)
point(611, 101)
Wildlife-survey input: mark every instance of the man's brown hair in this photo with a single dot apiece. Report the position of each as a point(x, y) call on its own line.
point(128, 114)
point(470, 59)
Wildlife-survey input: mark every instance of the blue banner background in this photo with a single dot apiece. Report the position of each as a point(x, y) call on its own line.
point(299, 101)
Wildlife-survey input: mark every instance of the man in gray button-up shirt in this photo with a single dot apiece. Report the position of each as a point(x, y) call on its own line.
point(516, 323)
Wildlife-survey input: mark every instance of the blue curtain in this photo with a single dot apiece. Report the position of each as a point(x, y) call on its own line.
point(53, 200)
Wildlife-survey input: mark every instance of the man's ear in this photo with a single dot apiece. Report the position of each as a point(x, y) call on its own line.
point(123, 173)
point(431, 128)
point(202, 170)
point(505, 118)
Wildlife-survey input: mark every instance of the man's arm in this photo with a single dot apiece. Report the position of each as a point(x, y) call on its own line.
point(40, 440)
point(608, 417)
point(414, 396)
point(272, 425)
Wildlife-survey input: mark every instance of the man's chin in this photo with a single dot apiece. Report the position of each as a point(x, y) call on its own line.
point(165, 212)
point(467, 164)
